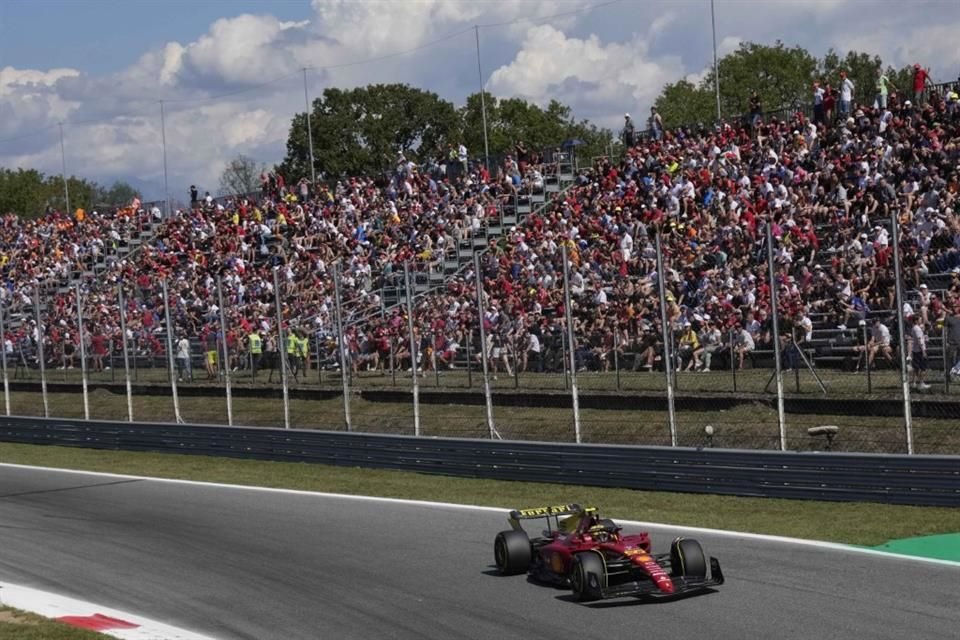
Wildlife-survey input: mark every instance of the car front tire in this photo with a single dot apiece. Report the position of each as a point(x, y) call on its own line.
point(687, 558)
point(588, 576)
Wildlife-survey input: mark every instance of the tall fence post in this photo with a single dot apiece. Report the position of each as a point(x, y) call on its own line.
point(170, 364)
point(469, 359)
point(667, 341)
point(414, 350)
point(945, 348)
point(774, 313)
point(126, 356)
point(342, 342)
point(571, 344)
point(225, 352)
point(83, 356)
point(6, 375)
point(616, 355)
point(487, 394)
point(281, 349)
point(733, 359)
point(40, 356)
point(902, 330)
point(516, 360)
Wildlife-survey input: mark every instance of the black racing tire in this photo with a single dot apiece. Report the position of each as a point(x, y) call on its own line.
point(512, 552)
point(588, 576)
point(687, 558)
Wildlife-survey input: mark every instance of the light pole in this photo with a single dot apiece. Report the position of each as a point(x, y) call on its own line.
point(716, 68)
point(163, 139)
point(63, 161)
point(483, 102)
point(306, 100)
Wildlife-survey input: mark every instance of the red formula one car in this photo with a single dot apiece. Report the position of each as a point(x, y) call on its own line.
point(589, 554)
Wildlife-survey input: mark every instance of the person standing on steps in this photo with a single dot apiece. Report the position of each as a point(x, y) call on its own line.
point(917, 348)
point(255, 347)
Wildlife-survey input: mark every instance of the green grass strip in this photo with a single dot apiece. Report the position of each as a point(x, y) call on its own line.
point(20, 625)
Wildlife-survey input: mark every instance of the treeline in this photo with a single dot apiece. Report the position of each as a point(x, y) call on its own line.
point(361, 131)
point(782, 76)
point(30, 193)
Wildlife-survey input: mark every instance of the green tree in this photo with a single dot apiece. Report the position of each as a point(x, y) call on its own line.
point(515, 120)
point(683, 103)
point(119, 194)
point(362, 130)
point(241, 176)
point(29, 193)
point(861, 68)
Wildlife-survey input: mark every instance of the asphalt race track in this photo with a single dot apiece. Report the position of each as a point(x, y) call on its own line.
point(250, 564)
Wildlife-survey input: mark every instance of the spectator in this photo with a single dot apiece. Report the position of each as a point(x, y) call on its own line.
point(883, 85)
point(655, 125)
point(920, 78)
point(917, 348)
point(952, 329)
point(846, 94)
point(183, 360)
point(629, 131)
point(756, 110)
point(819, 113)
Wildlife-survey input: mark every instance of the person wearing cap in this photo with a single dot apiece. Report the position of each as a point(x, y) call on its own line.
point(629, 131)
point(689, 347)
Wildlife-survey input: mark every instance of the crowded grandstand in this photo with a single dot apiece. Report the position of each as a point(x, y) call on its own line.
point(829, 179)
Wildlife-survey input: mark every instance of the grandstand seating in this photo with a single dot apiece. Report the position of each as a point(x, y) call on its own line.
point(708, 190)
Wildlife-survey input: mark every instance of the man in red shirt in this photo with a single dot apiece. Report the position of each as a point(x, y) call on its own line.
point(920, 78)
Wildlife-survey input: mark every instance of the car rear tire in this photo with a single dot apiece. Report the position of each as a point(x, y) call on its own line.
point(512, 552)
point(687, 558)
point(588, 576)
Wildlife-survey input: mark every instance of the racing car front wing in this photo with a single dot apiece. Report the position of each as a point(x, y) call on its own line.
point(682, 585)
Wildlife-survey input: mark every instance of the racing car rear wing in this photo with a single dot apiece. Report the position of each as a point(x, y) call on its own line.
point(551, 513)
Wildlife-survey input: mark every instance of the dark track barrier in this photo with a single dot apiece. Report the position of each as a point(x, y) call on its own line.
point(892, 479)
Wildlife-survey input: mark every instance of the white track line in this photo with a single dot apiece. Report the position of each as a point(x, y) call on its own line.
point(760, 537)
point(51, 605)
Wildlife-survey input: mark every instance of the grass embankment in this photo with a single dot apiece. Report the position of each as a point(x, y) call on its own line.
point(748, 425)
point(855, 523)
point(20, 625)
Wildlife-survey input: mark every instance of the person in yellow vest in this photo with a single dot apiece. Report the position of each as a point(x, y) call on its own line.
point(255, 347)
point(303, 350)
point(293, 342)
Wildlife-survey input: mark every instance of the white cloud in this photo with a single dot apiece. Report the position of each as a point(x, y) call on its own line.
point(592, 76)
point(245, 49)
point(112, 123)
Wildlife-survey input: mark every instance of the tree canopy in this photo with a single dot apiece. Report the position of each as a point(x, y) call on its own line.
point(29, 193)
point(782, 76)
point(241, 176)
point(362, 130)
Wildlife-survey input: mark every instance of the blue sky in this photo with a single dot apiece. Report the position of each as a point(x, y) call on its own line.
point(107, 35)
point(101, 66)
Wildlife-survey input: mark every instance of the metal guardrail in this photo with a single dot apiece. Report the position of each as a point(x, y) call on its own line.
point(892, 479)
